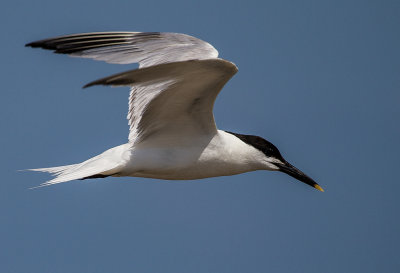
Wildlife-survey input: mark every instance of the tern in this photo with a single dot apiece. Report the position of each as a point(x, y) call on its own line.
point(173, 135)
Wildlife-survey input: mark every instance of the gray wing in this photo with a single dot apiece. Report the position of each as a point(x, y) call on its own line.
point(145, 48)
point(172, 100)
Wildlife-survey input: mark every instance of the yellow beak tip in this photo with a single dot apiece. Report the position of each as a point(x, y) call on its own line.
point(318, 187)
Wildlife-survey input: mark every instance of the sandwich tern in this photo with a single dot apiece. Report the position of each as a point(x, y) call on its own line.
point(173, 134)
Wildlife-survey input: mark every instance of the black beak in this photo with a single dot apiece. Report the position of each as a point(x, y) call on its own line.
point(291, 170)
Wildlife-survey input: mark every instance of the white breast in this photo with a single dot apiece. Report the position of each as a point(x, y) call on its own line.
point(218, 155)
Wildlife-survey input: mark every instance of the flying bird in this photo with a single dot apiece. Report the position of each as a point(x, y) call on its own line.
point(173, 134)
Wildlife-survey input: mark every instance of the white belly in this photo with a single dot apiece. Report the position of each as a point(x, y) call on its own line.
point(218, 156)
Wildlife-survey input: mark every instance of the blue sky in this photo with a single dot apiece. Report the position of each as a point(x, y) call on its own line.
point(319, 79)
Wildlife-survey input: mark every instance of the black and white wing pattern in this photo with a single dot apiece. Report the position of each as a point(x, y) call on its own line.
point(145, 48)
point(172, 100)
point(174, 89)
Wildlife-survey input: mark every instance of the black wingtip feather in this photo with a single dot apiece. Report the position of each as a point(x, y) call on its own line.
point(88, 85)
point(80, 42)
point(95, 176)
point(32, 44)
point(41, 44)
point(102, 81)
point(110, 81)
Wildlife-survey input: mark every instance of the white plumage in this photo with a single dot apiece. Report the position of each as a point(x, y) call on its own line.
point(172, 130)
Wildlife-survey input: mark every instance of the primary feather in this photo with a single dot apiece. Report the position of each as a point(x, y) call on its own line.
point(145, 48)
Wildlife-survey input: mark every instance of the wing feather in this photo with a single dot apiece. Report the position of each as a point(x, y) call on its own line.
point(145, 48)
point(172, 98)
point(174, 89)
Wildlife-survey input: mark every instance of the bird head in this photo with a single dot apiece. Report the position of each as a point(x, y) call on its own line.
point(274, 161)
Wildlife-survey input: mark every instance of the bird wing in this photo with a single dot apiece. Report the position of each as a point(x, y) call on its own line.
point(145, 48)
point(174, 99)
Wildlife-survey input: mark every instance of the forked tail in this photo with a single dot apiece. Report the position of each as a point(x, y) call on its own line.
point(103, 165)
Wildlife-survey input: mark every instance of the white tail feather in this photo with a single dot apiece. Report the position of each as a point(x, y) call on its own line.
point(54, 170)
point(107, 163)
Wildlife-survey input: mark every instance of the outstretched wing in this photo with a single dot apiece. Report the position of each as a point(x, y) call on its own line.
point(173, 100)
point(145, 48)
point(174, 90)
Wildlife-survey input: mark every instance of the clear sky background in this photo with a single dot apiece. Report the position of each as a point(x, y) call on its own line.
point(319, 79)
